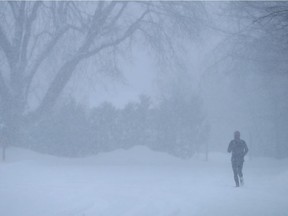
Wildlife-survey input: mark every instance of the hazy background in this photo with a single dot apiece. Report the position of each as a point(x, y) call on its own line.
point(183, 78)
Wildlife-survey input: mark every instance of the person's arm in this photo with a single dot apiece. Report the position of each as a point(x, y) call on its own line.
point(230, 147)
point(245, 148)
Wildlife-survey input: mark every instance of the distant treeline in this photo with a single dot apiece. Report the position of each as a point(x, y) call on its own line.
point(176, 126)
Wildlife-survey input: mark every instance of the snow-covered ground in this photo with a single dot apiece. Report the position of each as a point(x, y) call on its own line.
point(139, 182)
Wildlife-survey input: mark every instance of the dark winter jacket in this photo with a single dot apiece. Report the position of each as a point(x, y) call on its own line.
point(239, 149)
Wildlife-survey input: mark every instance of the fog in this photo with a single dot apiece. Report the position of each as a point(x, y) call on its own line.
point(215, 67)
point(141, 107)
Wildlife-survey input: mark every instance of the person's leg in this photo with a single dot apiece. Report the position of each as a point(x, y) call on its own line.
point(235, 172)
point(240, 167)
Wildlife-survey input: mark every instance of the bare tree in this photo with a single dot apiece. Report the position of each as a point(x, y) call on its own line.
point(35, 34)
point(261, 45)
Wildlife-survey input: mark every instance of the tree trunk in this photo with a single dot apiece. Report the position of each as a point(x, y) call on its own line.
point(12, 119)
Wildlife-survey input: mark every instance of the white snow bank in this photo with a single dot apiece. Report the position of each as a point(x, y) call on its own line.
point(137, 155)
point(139, 182)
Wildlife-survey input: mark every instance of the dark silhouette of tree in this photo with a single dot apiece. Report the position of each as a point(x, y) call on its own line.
point(43, 43)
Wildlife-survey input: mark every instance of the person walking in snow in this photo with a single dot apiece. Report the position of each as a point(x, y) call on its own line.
point(239, 149)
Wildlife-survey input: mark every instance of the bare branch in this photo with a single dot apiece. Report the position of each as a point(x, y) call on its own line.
point(37, 38)
point(28, 27)
point(13, 6)
point(79, 14)
point(56, 87)
point(118, 15)
point(271, 15)
point(19, 26)
point(99, 18)
point(66, 71)
point(132, 28)
point(43, 55)
point(5, 45)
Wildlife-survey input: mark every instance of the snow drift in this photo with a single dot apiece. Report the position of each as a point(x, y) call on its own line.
point(139, 182)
